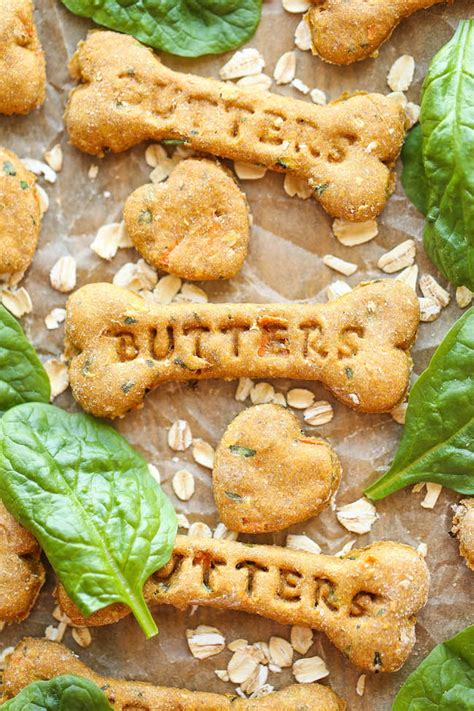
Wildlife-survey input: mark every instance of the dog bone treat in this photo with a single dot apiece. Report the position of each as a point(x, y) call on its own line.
point(358, 345)
point(345, 32)
point(22, 65)
point(21, 572)
point(463, 530)
point(268, 474)
point(365, 602)
point(20, 216)
point(195, 225)
point(38, 659)
point(346, 150)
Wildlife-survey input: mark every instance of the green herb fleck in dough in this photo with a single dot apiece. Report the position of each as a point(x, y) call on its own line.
point(242, 451)
point(24, 185)
point(377, 661)
point(233, 496)
point(8, 168)
point(349, 373)
point(128, 320)
point(145, 217)
point(126, 387)
point(321, 189)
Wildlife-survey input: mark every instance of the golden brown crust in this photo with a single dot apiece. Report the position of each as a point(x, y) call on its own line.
point(21, 572)
point(195, 225)
point(37, 659)
point(346, 150)
point(358, 345)
point(20, 214)
point(22, 65)
point(345, 32)
point(365, 602)
point(463, 529)
point(268, 474)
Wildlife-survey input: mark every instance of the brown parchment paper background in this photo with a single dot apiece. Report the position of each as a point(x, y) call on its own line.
point(289, 239)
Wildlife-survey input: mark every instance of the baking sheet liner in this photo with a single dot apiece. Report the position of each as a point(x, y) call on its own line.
point(289, 239)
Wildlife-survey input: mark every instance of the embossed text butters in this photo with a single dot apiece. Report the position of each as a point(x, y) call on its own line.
point(121, 346)
point(365, 602)
point(346, 150)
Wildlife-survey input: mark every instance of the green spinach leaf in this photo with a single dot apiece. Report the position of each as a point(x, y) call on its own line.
point(88, 497)
point(447, 126)
point(414, 179)
point(22, 376)
point(64, 693)
point(438, 440)
point(189, 28)
point(444, 681)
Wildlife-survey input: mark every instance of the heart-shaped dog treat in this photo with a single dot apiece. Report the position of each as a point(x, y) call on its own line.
point(196, 225)
point(268, 474)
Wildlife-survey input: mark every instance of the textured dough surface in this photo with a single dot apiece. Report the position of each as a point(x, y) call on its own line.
point(268, 474)
point(36, 659)
point(20, 214)
point(21, 572)
point(121, 346)
point(345, 32)
point(365, 602)
point(22, 65)
point(346, 150)
point(463, 529)
point(194, 225)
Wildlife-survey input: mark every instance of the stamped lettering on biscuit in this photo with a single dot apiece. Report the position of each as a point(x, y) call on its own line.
point(365, 602)
point(345, 150)
point(121, 347)
point(37, 659)
point(345, 32)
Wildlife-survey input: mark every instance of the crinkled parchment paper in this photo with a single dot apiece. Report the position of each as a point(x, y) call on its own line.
point(290, 238)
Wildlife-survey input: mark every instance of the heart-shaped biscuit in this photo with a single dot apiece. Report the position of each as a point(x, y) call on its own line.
point(268, 474)
point(196, 225)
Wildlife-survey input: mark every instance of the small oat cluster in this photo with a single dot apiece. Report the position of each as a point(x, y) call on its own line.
point(55, 633)
point(250, 664)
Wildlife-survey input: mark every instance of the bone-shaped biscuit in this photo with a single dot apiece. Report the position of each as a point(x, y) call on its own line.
point(36, 660)
point(21, 572)
point(345, 32)
point(20, 216)
point(346, 150)
point(365, 602)
point(22, 65)
point(358, 345)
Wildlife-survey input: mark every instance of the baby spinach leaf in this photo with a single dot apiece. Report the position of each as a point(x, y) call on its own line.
point(414, 179)
point(438, 440)
point(22, 376)
point(447, 127)
point(444, 680)
point(88, 497)
point(64, 693)
point(189, 28)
